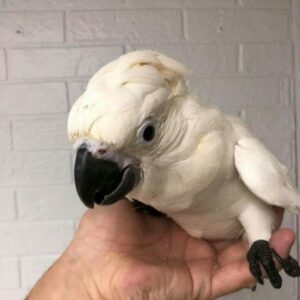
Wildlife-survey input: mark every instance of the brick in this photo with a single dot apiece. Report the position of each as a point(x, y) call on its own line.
point(30, 27)
point(9, 273)
point(242, 92)
point(283, 150)
point(75, 89)
point(182, 3)
point(41, 133)
point(35, 237)
point(202, 60)
point(13, 294)
point(8, 206)
point(2, 65)
point(265, 3)
point(276, 124)
point(124, 25)
point(33, 98)
point(35, 168)
point(267, 59)
point(5, 135)
point(59, 62)
point(32, 268)
point(66, 4)
point(49, 203)
point(237, 26)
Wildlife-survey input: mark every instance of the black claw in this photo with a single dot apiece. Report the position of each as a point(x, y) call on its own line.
point(289, 264)
point(253, 289)
point(261, 254)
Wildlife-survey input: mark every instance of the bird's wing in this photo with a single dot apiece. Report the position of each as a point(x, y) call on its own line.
point(264, 175)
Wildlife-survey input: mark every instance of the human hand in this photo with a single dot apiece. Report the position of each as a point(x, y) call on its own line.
point(122, 254)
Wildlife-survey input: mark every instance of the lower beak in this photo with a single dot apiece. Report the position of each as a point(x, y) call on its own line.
point(104, 180)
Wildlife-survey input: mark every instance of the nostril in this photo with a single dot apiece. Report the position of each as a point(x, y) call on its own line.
point(101, 151)
point(98, 153)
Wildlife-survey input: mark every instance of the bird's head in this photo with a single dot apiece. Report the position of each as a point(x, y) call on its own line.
point(120, 121)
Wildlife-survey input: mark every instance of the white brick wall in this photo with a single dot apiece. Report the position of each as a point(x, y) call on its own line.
point(241, 53)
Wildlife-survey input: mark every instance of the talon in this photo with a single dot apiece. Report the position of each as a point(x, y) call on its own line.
point(289, 264)
point(253, 289)
point(261, 254)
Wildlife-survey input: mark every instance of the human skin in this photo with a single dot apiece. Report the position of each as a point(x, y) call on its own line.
point(118, 253)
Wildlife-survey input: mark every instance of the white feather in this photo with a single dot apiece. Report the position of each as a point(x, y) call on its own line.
point(264, 175)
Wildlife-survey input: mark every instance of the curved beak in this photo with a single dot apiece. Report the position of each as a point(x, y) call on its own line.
point(104, 180)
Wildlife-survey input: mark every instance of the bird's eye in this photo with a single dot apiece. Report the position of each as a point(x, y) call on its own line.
point(147, 131)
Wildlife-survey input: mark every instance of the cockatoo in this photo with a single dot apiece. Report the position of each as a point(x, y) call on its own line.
point(139, 133)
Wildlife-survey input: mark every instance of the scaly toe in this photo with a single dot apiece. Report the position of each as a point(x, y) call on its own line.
point(289, 264)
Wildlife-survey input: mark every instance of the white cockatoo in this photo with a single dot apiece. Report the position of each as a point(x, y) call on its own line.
point(139, 133)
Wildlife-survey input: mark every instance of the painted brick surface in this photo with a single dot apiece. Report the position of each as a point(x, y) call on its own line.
point(75, 89)
point(59, 62)
point(5, 135)
point(280, 120)
point(33, 268)
point(2, 65)
point(49, 203)
point(41, 133)
point(124, 25)
point(202, 60)
point(236, 25)
point(28, 27)
point(9, 273)
point(272, 4)
point(65, 4)
point(33, 98)
point(241, 54)
point(35, 168)
point(13, 294)
point(8, 211)
point(183, 3)
point(242, 92)
point(267, 59)
point(34, 237)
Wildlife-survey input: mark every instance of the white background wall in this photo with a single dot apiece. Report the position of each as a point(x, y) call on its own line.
point(244, 55)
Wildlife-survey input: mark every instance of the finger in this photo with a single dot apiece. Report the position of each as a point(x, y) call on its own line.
point(231, 278)
point(233, 252)
point(282, 241)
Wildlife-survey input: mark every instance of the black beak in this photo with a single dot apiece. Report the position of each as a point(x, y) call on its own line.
point(104, 180)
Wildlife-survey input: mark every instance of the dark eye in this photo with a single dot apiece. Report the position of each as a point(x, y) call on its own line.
point(149, 133)
point(146, 132)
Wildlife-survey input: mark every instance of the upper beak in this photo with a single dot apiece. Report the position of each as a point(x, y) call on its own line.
point(104, 180)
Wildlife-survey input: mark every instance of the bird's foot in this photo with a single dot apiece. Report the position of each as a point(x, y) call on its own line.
point(260, 253)
point(290, 265)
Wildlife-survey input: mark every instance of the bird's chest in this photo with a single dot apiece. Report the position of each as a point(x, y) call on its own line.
point(214, 213)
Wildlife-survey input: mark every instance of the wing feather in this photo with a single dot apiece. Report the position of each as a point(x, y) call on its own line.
point(264, 175)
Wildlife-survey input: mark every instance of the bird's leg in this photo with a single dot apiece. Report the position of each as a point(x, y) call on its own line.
point(289, 264)
point(260, 253)
point(258, 220)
